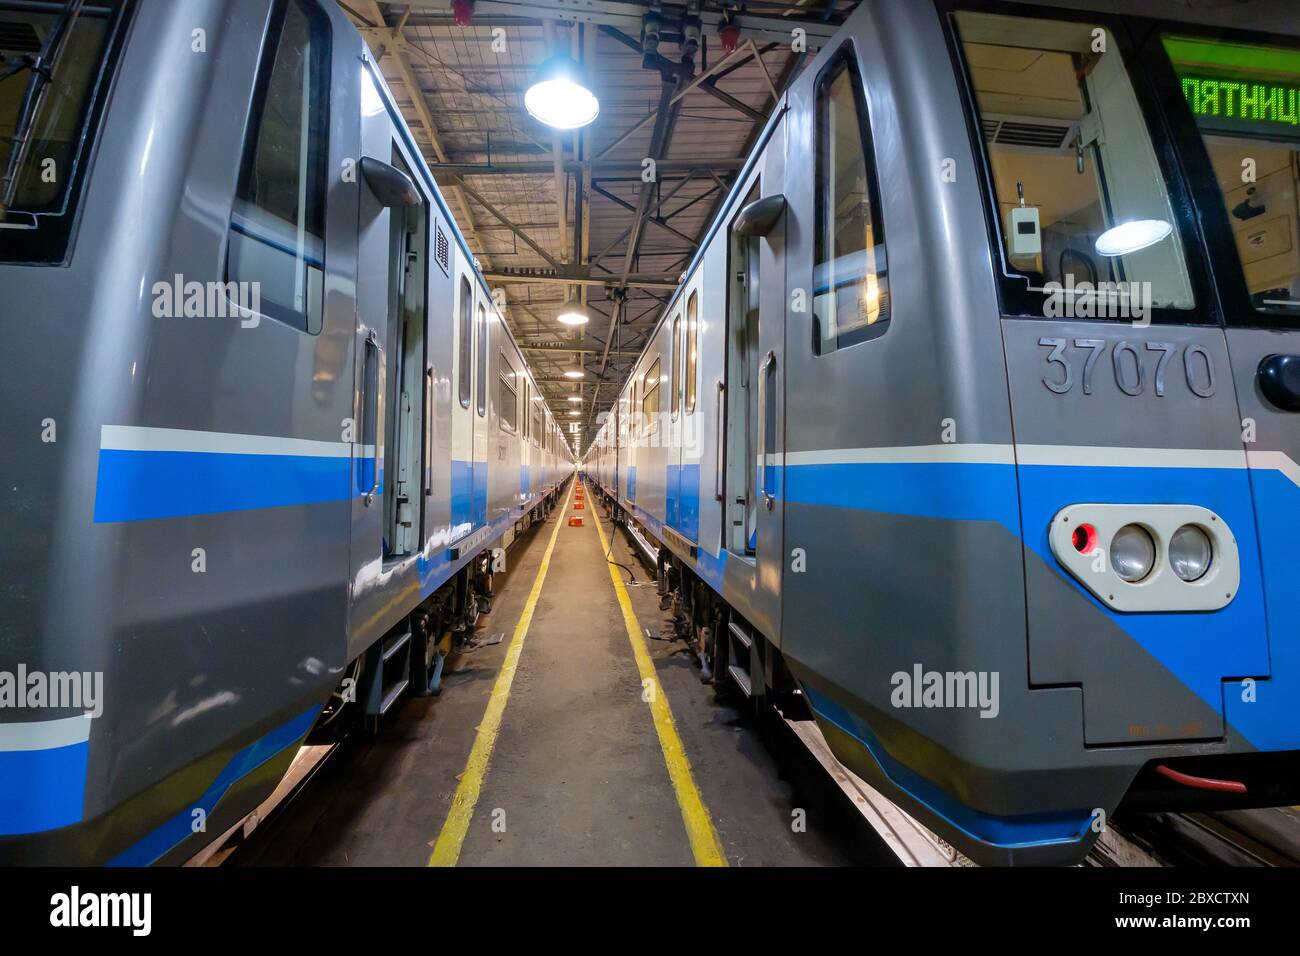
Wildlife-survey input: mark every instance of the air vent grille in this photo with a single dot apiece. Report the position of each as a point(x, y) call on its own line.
point(1029, 132)
point(441, 248)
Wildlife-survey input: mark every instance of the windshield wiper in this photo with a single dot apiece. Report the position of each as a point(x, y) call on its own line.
point(42, 67)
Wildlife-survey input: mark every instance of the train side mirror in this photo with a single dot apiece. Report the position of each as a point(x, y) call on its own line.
point(758, 218)
point(391, 186)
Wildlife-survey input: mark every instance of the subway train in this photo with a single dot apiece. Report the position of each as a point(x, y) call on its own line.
point(971, 431)
point(267, 434)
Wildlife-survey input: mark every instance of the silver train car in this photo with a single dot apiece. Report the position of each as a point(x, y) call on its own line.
point(267, 433)
point(972, 426)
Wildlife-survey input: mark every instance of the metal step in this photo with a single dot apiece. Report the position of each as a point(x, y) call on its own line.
point(396, 646)
point(394, 692)
point(741, 677)
point(740, 634)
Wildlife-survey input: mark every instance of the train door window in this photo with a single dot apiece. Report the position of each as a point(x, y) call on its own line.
point(675, 358)
point(482, 360)
point(1245, 99)
point(850, 284)
point(650, 398)
point(635, 408)
point(1082, 203)
point(507, 396)
point(465, 349)
point(407, 321)
point(692, 358)
point(277, 224)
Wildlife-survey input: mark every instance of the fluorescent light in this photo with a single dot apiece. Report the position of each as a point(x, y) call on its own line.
point(561, 97)
point(574, 373)
point(1131, 236)
point(575, 398)
point(572, 318)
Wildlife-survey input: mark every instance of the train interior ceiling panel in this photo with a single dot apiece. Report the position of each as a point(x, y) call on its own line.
point(479, 432)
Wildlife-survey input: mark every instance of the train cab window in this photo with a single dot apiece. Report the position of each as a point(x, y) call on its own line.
point(1245, 99)
point(650, 398)
point(465, 348)
point(675, 353)
point(692, 340)
point(277, 224)
point(37, 209)
point(482, 360)
point(850, 288)
point(507, 396)
point(1081, 200)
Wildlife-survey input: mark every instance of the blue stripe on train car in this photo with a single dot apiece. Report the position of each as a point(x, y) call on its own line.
point(480, 472)
point(144, 485)
point(43, 787)
point(462, 493)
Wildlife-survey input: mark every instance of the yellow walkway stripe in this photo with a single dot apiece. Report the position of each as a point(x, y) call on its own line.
point(705, 844)
point(446, 851)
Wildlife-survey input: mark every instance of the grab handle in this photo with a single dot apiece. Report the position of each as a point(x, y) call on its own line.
point(372, 411)
point(769, 364)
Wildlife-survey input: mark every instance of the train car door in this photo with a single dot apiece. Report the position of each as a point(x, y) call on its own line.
point(1243, 157)
point(755, 513)
point(388, 419)
point(482, 421)
point(740, 469)
point(462, 413)
point(672, 435)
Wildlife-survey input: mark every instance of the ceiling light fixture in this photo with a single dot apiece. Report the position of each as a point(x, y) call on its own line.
point(1129, 237)
point(572, 318)
point(561, 96)
point(574, 373)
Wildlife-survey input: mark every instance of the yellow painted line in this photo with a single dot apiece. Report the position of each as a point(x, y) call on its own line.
point(446, 850)
point(705, 844)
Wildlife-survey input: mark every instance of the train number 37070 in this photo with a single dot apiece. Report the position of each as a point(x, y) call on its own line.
point(1071, 359)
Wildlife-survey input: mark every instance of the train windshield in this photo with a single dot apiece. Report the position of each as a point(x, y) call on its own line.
point(54, 64)
point(1246, 102)
point(1082, 201)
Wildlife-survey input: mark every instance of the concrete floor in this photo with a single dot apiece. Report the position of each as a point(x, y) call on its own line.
point(577, 775)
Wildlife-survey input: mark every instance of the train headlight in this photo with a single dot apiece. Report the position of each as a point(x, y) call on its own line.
point(1190, 552)
point(1132, 552)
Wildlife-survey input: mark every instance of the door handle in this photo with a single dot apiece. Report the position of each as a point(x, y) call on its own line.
point(721, 437)
point(769, 362)
point(372, 411)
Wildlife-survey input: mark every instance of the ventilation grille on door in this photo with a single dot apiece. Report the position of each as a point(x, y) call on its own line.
point(1030, 132)
point(441, 247)
point(18, 37)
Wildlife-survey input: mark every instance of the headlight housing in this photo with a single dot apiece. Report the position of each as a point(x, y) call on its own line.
point(1190, 552)
point(1132, 553)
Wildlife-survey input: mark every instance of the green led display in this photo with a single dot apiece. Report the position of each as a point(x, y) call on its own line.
point(1240, 100)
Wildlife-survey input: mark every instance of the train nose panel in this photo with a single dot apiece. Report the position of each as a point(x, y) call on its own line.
point(1114, 414)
